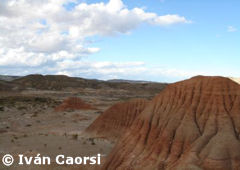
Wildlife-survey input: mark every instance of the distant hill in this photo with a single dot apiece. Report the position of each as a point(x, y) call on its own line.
point(128, 81)
point(8, 78)
point(48, 82)
point(60, 82)
point(8, 86)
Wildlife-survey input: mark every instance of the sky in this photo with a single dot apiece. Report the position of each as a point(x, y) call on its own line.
point(154, 40)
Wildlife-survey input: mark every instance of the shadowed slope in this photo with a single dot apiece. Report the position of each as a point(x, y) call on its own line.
point(193, 124)
point(8, 86)
point(113, 122)
point(74, 103)
point(48, 82)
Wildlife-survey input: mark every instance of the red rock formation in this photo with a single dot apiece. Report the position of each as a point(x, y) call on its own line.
point(113, 122)
point(191, 125)
point(74, 103)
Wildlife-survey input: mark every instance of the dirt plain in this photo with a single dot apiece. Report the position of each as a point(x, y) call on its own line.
point(29, 123)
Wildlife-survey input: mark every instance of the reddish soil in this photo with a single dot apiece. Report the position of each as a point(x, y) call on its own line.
point(113, 122)
point(192, 124)
point(74, 103)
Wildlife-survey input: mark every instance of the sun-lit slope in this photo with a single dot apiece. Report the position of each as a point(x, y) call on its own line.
point(192, 124)
point(115, 120)
point(235, 79)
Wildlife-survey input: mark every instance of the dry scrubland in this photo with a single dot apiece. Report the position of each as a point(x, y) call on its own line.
point(41, 114)
point(189, 125)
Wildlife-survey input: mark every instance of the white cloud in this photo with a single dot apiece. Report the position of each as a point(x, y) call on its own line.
point(127, 70)
point(130, 70)
point(170, 19)
point(231, 29)
point(43, 33)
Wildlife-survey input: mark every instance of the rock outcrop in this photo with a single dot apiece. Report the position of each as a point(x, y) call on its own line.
point(74, 103)
point(115, 120)
point(191, 125)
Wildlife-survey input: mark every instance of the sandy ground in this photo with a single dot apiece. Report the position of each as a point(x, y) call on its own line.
point(32, 126)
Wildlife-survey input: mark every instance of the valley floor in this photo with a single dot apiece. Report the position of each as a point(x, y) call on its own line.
point(29, 124)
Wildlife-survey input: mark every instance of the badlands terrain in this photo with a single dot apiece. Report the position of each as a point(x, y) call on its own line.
point(189, 125)
point(49, 115)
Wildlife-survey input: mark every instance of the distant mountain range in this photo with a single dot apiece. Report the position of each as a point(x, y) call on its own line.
point(60, 82)
point(10, 78)
point(129, 81)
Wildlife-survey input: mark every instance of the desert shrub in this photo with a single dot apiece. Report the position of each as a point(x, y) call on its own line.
point(92, 141)
point(75, 136)
point(22, 108)
point(1, 108)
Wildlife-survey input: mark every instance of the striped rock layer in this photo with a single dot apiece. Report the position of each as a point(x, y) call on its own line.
point(115, 120)
point(192, 124)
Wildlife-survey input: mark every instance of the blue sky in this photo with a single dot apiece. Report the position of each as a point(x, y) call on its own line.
point(204, 41)
point(203, 45)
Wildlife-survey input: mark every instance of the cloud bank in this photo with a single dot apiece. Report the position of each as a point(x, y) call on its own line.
point(51, 35)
